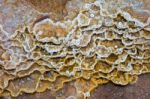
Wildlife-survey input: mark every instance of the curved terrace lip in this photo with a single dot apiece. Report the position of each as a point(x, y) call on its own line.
point(82, 44)
point(43, 17)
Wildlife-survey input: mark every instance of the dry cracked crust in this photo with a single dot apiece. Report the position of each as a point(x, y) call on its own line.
point(86, 42)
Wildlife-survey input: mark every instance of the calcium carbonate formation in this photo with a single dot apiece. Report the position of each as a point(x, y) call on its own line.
point(90, 49)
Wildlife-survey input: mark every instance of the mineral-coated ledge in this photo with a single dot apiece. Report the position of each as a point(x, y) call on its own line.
point(87, 43)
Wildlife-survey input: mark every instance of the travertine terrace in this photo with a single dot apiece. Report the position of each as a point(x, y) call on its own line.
point(86, 42)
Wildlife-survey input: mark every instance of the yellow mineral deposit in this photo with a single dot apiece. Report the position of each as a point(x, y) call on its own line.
point(88, 46)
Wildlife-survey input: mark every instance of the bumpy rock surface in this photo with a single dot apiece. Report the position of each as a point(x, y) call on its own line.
point(85, 42)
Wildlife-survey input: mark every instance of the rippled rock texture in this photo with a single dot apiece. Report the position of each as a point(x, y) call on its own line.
point(45, 44)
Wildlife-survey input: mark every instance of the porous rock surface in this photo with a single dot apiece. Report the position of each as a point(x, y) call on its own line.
point(85, 42)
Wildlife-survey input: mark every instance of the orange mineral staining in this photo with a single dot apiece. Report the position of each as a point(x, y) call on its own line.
point(89, 46)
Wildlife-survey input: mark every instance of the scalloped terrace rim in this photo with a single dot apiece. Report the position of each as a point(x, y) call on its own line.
point(95, 48)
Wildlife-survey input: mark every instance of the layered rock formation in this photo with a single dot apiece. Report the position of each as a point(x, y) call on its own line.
point(86, 42)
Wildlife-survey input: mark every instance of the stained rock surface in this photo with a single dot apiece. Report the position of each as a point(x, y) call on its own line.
point(46, 44)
